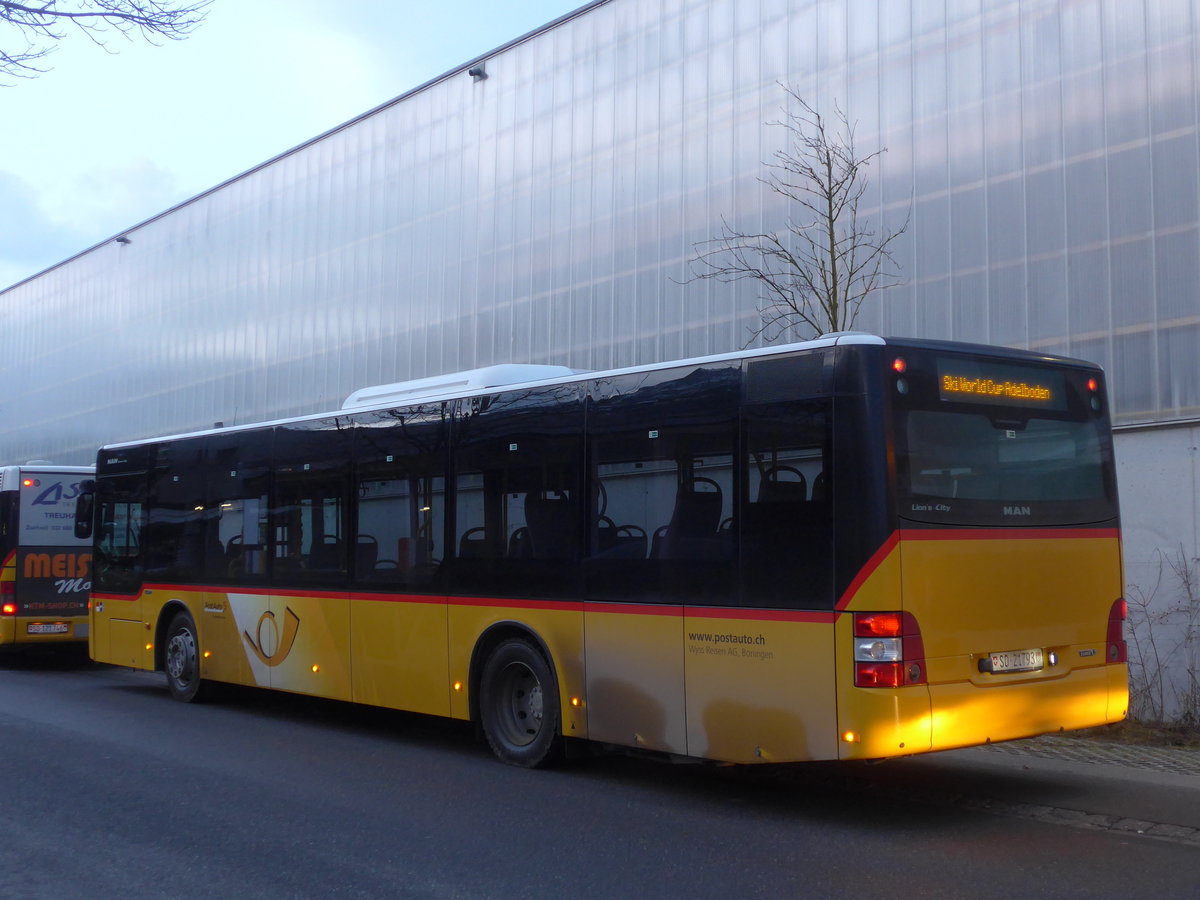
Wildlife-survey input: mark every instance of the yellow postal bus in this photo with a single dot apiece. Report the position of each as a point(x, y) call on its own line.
point(45, 570)
point(855, 547)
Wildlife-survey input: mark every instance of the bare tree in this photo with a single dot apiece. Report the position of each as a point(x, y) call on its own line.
point(42, 23)
point(817, 270)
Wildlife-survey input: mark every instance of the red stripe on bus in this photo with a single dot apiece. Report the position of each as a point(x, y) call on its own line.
point(761, 615)
point(502, 602)
point(868, 570)
point(253, 590)
point(220, 589)
point(636, 609)
point(437, 599)
point(490, 602)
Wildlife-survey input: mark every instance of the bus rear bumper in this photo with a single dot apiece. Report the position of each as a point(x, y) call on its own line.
point(43, 630)
point(919, 719)
point(964, 714)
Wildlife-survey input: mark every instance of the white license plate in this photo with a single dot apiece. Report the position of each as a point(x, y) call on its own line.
point(47, 628)
point(1017, 661)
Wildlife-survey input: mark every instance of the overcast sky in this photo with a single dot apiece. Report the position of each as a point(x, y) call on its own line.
point(104, 141)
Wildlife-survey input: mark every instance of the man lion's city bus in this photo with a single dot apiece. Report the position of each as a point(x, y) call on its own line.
point(46, 573)
point(849, 548)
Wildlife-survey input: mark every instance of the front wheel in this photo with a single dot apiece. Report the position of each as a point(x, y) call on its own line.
point(181, 659)
point(518, 705)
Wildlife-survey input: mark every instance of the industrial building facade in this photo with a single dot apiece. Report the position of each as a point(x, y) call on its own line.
point(549, 208)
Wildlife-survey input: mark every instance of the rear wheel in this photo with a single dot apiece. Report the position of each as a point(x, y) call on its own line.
point(181, 659)
point(518, 705)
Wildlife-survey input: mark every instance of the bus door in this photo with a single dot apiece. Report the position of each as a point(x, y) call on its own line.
point(119, 633)
point(397, 616)
point(234, 622)
point(303, 638)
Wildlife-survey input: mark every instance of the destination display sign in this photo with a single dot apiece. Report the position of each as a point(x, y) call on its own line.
point(971, 381)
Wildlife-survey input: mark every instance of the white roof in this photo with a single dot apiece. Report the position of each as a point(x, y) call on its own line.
point(512, 375)
point(453, 383)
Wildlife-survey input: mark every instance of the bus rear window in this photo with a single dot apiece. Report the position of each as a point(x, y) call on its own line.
point(967, 456)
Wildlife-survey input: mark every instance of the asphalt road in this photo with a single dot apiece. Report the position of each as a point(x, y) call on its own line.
point(110, 789)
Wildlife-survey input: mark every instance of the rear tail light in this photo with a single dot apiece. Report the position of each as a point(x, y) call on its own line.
point(8, 609)
point(888, 650)
point(1117, 650)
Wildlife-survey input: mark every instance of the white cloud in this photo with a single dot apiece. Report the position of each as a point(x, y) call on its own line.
point(106, 140)
point(30, 240)
point(106, 199)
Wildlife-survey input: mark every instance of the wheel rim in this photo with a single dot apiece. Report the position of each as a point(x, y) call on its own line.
point(519, 704)
point(181, 657)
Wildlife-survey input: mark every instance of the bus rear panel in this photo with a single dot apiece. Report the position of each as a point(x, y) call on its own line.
point(995, 608)
point(46, 573)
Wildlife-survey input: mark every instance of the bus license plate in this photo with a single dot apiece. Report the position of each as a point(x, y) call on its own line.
point(47, 628)
point(1017, 661)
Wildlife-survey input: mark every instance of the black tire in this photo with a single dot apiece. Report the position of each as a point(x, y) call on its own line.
point(518, 705)
point(181, 659)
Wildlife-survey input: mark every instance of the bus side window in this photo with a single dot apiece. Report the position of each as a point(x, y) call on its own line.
point(518, 510)
point(175, 528)
point(308, 527)
point(399, 535)
point(241, 527)
point(661, 526)
point(786, 514)
point(235, 506)
point(400, 479)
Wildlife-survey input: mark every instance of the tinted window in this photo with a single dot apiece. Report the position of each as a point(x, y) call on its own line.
point(986, 443)
point(118, 543)
point(175, 533)
point(518, 503)
point(308, 524)
point(661, 450)
point(786, 518)
point(781, 379)
point(235, 502)
point(401, 458)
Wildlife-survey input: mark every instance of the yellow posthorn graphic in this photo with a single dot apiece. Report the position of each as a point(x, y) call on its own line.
point(271, 640)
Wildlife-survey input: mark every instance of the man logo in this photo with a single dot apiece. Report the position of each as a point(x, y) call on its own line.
point(268, 645)
point(1018, 511)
